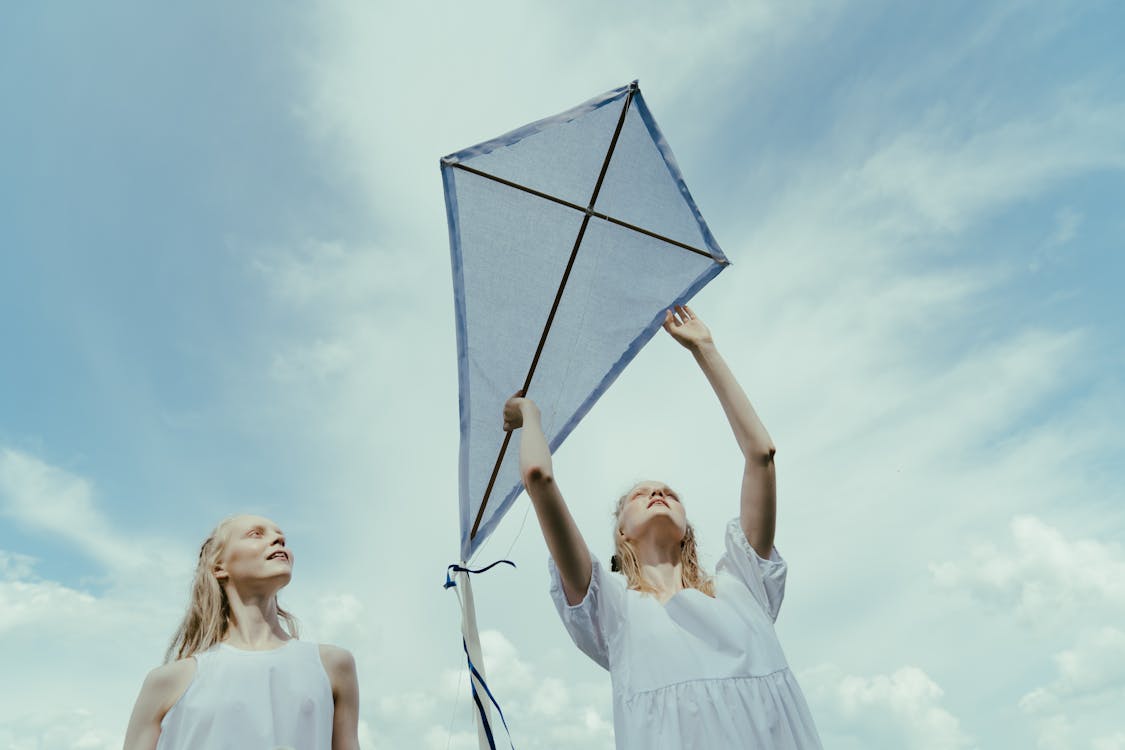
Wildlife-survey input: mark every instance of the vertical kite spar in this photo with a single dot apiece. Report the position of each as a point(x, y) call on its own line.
point(569, 238)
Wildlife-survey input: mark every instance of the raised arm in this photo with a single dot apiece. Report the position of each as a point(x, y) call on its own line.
point(567, 547)
point(758, 512)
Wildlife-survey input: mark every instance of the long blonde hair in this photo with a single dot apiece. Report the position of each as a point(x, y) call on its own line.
point(625, 560)
point(208, 613)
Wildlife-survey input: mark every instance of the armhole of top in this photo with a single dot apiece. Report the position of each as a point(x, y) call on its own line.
point(186, 690)
point(324, 668)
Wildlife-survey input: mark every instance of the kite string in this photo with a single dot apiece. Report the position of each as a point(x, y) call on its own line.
point(456, 703)
point(519, 533)
point(488, 540)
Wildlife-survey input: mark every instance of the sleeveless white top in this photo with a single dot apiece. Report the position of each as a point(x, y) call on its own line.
point(253, 700)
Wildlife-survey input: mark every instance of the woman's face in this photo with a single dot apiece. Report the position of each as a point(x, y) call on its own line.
point(255, 551)
point(652, 507)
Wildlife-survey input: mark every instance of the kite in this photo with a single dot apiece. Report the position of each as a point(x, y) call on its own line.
point(569, 238)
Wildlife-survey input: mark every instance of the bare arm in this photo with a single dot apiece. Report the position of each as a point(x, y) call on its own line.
point(567, 547)
point(161, 689)
point(758, 512)
point(340, 666)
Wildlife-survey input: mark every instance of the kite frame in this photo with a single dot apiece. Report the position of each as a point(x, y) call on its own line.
point(632, 95)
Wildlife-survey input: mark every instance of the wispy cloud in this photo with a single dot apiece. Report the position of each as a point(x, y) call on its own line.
point(1048, 582)
point(902, 709)
point(47, 499)
point(1042, 577)
point(542, 711)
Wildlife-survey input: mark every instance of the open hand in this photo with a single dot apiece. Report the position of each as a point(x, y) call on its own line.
point(686, 328)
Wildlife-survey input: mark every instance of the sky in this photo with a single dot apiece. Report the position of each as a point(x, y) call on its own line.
point(225, 287)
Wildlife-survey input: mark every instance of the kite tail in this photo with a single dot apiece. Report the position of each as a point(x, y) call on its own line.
point(470, 642)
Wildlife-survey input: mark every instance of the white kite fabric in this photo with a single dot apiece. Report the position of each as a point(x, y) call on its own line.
point(569, 238)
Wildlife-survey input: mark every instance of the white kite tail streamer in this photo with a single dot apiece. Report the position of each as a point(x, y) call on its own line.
point(470, 639)
point(469, 632)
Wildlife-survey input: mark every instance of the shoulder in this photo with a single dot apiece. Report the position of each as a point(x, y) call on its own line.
point(162, 687)
point(165, 684)
point(340, 666)
point(338, 663)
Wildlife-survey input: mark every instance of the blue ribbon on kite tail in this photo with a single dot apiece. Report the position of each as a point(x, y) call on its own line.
point(450, 583)
point(480, 708)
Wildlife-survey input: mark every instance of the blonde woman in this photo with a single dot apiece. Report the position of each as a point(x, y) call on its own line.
point(693, 659)
point(235, 675)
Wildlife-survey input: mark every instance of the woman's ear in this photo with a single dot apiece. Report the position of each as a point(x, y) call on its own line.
point(220, 572)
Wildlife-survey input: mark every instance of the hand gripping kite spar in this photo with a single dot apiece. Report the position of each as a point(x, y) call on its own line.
point(569, 239)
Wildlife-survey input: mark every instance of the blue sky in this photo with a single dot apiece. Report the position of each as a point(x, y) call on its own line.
point(224, 286)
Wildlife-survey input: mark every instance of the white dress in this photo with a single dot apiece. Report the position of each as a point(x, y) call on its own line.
point(253, 700)
point(696, 673)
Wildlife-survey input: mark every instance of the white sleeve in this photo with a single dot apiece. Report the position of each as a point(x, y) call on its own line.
point(764, 578)
point(594, 621)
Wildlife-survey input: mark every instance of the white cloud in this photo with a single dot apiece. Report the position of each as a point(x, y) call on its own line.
point(1095, 666)
point(1067, 222)
point(1081, 708)
point(1044, 578)
point(1115, 741)
point(940, 178)
point(542, 712)
point(60, 640)
point(898, 710)
point(42, 497)
point(77, 729)
point(1051, 583)
point(25, 601)
point(339, 616)
point(14, 566)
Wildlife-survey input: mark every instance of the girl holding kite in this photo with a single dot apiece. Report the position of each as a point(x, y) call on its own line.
point(240, 678)
point(693, 659)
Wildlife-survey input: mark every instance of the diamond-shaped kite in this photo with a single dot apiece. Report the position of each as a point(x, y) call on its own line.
point(569, 237)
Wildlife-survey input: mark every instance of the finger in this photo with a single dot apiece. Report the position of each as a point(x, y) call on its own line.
point(669, 321)
point(690, 312)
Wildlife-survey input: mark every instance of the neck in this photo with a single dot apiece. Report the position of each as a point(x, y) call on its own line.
point(661, 566)
point(253, 622)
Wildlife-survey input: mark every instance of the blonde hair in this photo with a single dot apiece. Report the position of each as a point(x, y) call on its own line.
point(625, 560)
point(208, 613)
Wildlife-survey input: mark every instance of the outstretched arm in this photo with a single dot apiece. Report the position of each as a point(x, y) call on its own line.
point(759, 480)
point(564, 541)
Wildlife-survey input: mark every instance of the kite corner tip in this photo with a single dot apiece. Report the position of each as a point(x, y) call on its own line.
point(634, 84)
